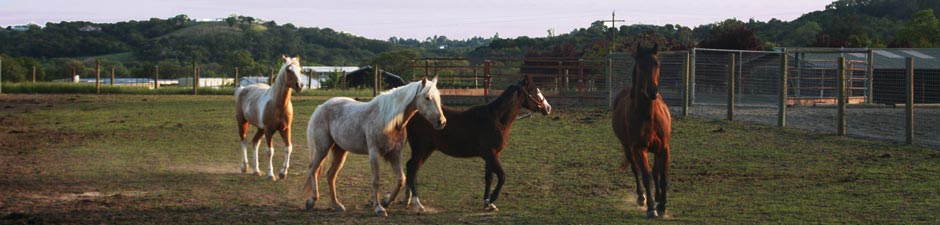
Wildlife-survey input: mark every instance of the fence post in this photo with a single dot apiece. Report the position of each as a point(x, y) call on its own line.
point(375, 80)
point(195, 84)
point(112, 76)
point(692, 78)
point(870, 75)
point(34, 74)
point(610, 71)
point(685, 85)
point(1, 76)
point(909, 107)
point(156, 77)
point(237, 82)
point(731, 66)
point(486, 80)
point(98, 76)
point(782, 108)
point(840, 90)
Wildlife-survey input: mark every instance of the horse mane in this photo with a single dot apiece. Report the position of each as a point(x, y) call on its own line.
point(392, 103)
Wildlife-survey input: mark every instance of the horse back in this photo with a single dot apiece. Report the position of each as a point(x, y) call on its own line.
point(249, 105)
point(463, 136)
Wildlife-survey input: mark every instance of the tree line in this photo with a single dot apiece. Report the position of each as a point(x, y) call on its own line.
point(134, 48)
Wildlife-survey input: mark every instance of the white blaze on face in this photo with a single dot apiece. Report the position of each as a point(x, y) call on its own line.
point(548, 107)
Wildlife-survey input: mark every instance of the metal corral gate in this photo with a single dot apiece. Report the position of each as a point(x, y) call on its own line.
point(478, 80)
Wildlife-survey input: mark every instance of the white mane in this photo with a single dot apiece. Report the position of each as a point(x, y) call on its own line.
point(392, 103)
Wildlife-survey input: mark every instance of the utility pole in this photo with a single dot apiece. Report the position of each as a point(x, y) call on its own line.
point(613, 24)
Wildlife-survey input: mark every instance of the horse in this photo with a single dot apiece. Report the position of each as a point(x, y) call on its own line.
point(642, 123)
point(270, 110)
point(480, 131)
point(376, 128)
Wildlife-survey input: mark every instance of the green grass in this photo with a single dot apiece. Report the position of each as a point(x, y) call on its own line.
point(182, 153)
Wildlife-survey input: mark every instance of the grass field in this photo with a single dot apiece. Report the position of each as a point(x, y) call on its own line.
point(174, 159)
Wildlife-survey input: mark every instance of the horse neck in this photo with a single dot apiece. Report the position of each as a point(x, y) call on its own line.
point(506, 107)
point(280, 90)
point(396, 106)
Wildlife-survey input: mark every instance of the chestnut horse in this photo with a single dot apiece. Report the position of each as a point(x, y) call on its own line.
point(376, 128)
point(480, 131)
point(642, 122)
point(270, 110)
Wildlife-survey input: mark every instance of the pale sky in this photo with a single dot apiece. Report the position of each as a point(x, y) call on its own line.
point(381, 19)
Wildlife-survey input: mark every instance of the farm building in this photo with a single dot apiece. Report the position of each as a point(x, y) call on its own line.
point(322, 74)
point(207, 82)
point(304, 79)
point(363, 77)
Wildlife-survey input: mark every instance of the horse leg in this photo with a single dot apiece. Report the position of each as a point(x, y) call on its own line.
point(312, 186)
point(418, 156)
point(243, 134)
point(398, 173)
point(500, 178)
point(640, 198)
point(376, 200)
point(256, 141)
point(488, 180)
point(285, 135)
point(644, 167)
point(661, 173)
point(269, 137)
point(339, 158)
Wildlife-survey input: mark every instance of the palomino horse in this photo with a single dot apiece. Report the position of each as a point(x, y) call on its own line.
point(270, 110)
point(642, 122)
point(376, 128)
point(480, 131)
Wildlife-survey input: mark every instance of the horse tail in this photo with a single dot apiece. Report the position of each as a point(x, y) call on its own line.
point(308, 184)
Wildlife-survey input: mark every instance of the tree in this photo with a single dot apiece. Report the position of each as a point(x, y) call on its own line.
point(732, 34)
point(922, 31)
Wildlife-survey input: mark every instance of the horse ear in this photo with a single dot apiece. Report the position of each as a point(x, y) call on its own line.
point(424, 82)
point(297, 58)
point(527, 80)
point(284, 57)
point(434, 80)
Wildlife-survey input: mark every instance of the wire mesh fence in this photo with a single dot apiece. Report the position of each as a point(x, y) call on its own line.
point(874, 84)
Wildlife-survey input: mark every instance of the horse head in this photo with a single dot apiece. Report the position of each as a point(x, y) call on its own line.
point(428, 102)
point(535, 101)
point(292, 73)
point(646, 72)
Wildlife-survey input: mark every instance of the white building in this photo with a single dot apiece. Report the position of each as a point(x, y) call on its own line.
point(320, 74)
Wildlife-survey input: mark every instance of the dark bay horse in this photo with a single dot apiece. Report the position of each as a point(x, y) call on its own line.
point(480, 131)
point(642, 122)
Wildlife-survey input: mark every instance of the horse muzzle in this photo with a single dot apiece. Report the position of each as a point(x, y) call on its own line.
point(652, 92)
point(547, 110)
point(440, 124)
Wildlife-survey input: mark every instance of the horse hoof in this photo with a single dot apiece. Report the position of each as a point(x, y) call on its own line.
point(381, 213)
point(640, 200)
point(244, 169)
point(491, 207)
point(662, 213)
point(309, 204)
point(272, 178)
point(386, 201)
point(651, 214)
point(258, 173)
point(281, 175)
point(339, 208)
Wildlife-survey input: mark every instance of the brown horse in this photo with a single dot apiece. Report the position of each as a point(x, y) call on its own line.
point(642, 122)
point(270, 110)
point(480, 131)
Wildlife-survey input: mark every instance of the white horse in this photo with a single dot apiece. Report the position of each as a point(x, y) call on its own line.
point(270, 110)
point(376, 128)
